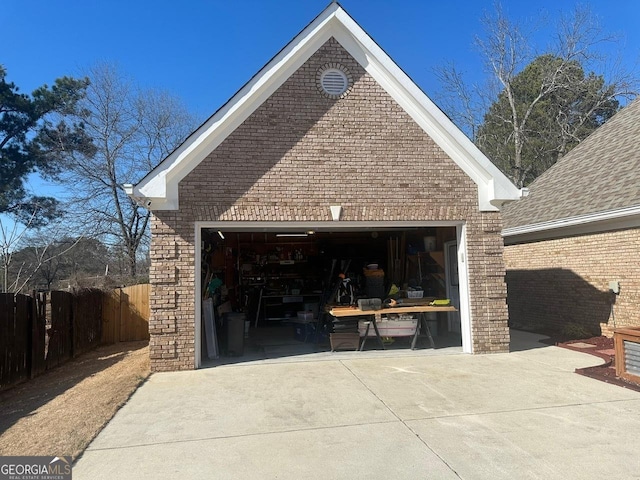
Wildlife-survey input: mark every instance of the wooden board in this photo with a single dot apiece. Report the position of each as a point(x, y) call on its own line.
point(354, 312)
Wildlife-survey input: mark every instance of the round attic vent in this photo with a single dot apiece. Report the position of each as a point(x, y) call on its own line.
point(334, 82)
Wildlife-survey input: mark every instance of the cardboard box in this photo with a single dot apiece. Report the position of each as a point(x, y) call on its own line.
point(344, 341)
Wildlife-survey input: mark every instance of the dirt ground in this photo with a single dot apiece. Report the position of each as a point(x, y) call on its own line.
point(60, 412)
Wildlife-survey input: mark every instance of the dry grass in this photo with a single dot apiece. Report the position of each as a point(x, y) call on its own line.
point(60, 412)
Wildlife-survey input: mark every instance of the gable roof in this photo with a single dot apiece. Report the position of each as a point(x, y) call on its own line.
point(158, 190)
point(595, 187)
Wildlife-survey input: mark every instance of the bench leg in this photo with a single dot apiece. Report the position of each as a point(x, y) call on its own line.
point(364, 339)
point(375, 327)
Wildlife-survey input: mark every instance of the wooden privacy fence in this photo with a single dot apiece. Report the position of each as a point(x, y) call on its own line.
point(22, 338)
point(125, 314)
point(32, 341)
point(76, 325)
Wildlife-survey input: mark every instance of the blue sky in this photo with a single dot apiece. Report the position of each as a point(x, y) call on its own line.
point(204, 51)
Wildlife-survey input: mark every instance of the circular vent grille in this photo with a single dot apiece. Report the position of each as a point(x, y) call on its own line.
point(334, 81)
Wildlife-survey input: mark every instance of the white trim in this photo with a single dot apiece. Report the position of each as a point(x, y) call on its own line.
point(453, 318)
point(198, 295)
point(493, 187)
point(465, 299)
point(161, 184)
point(248, 226)
point(628, 217)
point(463, 271)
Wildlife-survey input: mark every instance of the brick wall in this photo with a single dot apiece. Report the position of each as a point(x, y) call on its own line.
point(297, 154)
point(557, 284)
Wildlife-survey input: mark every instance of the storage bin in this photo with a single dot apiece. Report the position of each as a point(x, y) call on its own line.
point(305, 316)
point(389, 328)
point(233, 323)
point(312, 307)
point(369, 304)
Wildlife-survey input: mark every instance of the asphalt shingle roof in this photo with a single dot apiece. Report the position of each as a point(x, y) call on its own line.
point(602, 173)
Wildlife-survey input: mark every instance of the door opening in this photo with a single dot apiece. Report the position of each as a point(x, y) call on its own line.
point(279, 284)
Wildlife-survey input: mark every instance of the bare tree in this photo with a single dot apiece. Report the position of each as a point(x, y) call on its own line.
point(503, 115)
point(45, 252)
point(132, 130)
point(11, 233)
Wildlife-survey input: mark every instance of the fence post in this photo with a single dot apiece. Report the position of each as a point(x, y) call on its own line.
point(38, 334)
point(73, 305)
point(30, 324)
point(6, 338)
point(122, 315)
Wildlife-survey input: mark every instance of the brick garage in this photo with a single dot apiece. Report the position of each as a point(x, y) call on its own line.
point(563, 283)
point(282, 151)
point(577, 232)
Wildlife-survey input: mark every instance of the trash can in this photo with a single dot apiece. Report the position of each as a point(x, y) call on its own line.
point(432, 323)
point(234, 325)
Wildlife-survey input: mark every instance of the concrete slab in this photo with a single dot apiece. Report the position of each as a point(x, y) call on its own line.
point(417, 388)
point(521, 340)
point(395, 415)
point(242, 400)
point(583, 345)
point(298, 356)
point(385, 451)
point(559, 358)
point(592, 441)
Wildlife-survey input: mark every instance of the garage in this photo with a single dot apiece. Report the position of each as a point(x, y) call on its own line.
point(282, 284)
point(329, 161)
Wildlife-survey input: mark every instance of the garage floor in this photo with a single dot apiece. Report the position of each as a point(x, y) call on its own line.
point(280, 342)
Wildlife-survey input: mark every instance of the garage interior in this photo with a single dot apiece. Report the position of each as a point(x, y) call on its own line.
point(268, 294)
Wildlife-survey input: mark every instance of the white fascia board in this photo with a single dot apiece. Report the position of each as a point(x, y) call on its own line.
point(628, 217)
point(162, 182)
point(494, 188)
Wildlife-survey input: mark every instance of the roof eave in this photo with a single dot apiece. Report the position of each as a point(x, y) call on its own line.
point(621, 218)
point(211, 133)
point(494, 188)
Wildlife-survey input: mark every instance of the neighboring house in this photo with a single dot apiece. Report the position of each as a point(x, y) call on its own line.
point(330, 137)
point(576, 236)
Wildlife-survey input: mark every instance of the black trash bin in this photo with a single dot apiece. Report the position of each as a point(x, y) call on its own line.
point(234, 326)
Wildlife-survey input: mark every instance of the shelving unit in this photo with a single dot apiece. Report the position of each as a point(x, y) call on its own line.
point(428, 269)
point(281, 276)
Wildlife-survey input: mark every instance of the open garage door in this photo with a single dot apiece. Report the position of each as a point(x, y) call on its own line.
point(266, 292)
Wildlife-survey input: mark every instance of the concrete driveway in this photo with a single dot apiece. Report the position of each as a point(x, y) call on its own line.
point(376, 415)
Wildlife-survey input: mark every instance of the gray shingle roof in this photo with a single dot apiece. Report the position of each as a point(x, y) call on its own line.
point(602, 173)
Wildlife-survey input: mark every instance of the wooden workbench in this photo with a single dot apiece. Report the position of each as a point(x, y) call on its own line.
point(421, 310)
